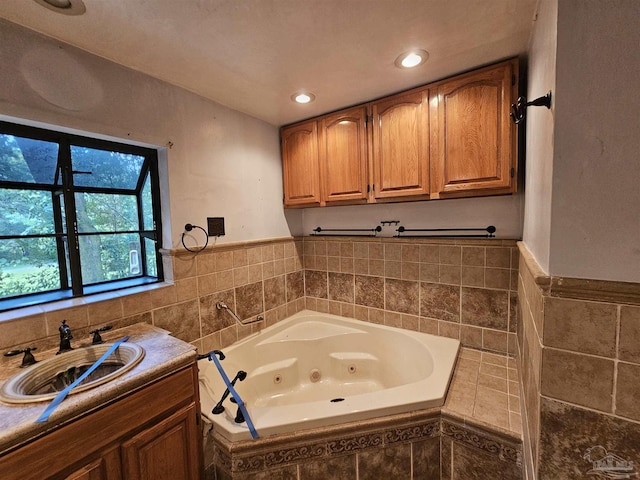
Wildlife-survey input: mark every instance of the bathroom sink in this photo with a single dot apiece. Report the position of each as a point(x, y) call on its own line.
point(44, 380)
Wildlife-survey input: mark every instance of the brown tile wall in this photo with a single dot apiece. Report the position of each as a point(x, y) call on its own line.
point(464, 289)
point(579, 359)
point(257, 278)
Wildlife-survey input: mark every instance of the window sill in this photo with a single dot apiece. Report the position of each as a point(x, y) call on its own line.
point(63, 303)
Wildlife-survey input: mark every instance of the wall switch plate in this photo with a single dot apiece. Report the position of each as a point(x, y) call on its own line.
point(215, 226)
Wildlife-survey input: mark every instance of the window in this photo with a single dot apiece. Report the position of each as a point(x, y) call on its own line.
point(79, 216)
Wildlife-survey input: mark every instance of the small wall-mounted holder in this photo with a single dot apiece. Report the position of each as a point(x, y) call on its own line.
point(188, 227)
point(519, 112)
point(389, 222)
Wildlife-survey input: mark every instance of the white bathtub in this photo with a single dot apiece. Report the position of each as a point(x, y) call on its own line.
point(296, 367)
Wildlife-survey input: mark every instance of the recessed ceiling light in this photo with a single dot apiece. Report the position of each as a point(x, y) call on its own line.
point(412, 58)
point(66, 7)
point(303, 97)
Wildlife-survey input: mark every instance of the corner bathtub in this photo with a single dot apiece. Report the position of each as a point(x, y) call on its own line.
point(314, 369)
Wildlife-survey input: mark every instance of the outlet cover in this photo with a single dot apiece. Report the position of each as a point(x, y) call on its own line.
point(215, 226)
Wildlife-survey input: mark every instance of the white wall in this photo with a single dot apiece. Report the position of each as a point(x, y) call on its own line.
point(595, 228)
point(540, 134)
point(504, 212)
point(222, 163)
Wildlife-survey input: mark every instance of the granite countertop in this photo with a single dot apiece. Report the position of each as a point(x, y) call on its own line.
point(164, 354)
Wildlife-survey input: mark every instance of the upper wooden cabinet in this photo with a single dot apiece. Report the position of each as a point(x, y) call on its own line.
point(473, 149)
point(343, 156)
point(452, 138)
point(401, 145)
point(300, 166)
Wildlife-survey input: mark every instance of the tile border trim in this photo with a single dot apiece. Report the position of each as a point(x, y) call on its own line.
point(580, 288)
point(329, 443)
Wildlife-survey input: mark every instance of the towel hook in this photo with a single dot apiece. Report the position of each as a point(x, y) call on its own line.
point(520, 108)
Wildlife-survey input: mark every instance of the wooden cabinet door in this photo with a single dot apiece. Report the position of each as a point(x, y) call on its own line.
point(106, 467)
point(401, 145)
point(474, 141)
point(166, 451)
point(343, 155)
point(300, 166)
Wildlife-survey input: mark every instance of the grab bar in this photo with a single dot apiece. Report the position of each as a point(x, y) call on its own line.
point(490, 232)
point(345, 231)
point(224, 306)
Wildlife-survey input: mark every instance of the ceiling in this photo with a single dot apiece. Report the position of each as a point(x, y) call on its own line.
point(252, 55)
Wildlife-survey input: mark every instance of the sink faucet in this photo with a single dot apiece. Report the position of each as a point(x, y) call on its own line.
point(65, 337)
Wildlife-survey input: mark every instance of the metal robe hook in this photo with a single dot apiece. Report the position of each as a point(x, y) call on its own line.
point(520, 108)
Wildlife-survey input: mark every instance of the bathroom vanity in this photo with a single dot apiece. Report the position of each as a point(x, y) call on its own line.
point(142, 425)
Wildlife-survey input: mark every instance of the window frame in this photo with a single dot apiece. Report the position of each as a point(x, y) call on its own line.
point(66, 226)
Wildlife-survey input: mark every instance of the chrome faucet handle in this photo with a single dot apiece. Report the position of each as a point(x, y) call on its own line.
point(28, 358)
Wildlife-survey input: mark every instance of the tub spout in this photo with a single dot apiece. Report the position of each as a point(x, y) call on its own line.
point(224, 306)
point(219, 408)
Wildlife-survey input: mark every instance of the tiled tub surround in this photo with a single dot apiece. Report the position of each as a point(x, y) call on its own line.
point(464, 289)
point(579, 359)
point(253, 278)
point(476, 435)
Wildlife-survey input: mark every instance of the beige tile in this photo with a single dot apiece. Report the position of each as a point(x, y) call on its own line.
point(450, 274)
point(410, 253)
point(392, 269)
point(499, 257)
point(184, 266)
point(494, 340)
point(182, 320)
point(497, 278)
point(346, 265)
point(361, 266)
point(376, 267)
point(206, 284)
point(472, 276)
point(205, 263)
point(20, 332)
point(580, 326)
point(224, 260)
point(448, 329)
point(429, 325)
point(450, 255)
point(107, 311)
point(224, 280)
point(254, 255)
point(629, 348)
point(410, 271)
point(267, 252)
point(164, 296)
point(393, 252)
point(240, 276)
point(471, 336)
point(577, 378)
point(430, 254)
point(495, 383)
point(346, 249)
point(473, 256)
point(628, 391)
point(361, 250)
point(429, 272)
point(185, 290)
point(440, 301)
point(376, 251)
